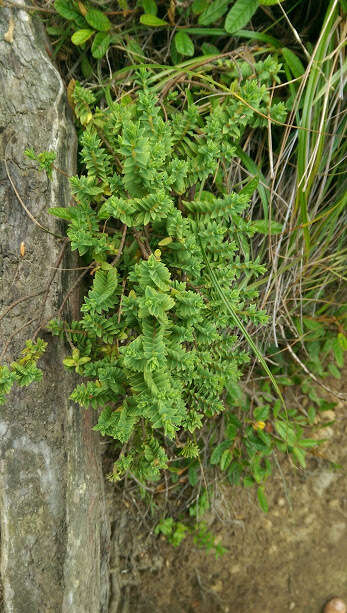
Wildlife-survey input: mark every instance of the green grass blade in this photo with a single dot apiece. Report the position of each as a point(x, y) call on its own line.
point(312, 120)
point(248, 34)
point(255, 170)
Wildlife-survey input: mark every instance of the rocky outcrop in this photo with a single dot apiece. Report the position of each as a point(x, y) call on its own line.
point(54, 529)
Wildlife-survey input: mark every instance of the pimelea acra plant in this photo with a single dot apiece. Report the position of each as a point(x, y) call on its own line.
point(154, 213)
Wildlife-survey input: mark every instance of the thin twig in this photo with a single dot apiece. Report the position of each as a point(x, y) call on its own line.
point(56, 268)
point(14, 334)
point(62, 172)
point(14, 304)
point(121, 300)
point(139, 239)
point(149, 489)
point(73, 287)
point(25, 207)
point(121, 246)
point(295, 32)
point(71, 269)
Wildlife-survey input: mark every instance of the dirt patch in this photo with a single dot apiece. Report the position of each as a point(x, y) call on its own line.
point(291, 559)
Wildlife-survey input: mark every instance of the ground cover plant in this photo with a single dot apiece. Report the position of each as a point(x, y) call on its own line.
point(160, 359)
point(208, 209)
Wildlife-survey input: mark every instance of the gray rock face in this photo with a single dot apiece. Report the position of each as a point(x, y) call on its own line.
point(54, 529)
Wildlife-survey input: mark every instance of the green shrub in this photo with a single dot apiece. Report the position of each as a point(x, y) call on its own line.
point(157, 347)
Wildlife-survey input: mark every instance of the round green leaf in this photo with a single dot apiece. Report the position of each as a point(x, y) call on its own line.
point(100, 44)
point(225, 459)
point(150, 7)
point(81, 36)
point(209, 49)
point(98, 20)
point(173, 53)
point(63, 7)
point(80, 21)
point(152, 21)
point(261, 413)
point(184, 44)
point(213, 12)
point(240, 14)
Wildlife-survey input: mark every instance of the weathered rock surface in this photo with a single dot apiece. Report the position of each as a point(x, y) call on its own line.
point(54, 531)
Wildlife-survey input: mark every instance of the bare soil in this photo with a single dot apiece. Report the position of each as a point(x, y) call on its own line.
point(294, 558)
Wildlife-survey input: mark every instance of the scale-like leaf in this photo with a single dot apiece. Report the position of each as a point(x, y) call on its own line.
point(240, 325)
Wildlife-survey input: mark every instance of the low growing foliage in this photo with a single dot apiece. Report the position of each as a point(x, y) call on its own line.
point(155, 341)
point(24, 371)
point(175, 532)
point(94, 33)
point(167, 239)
